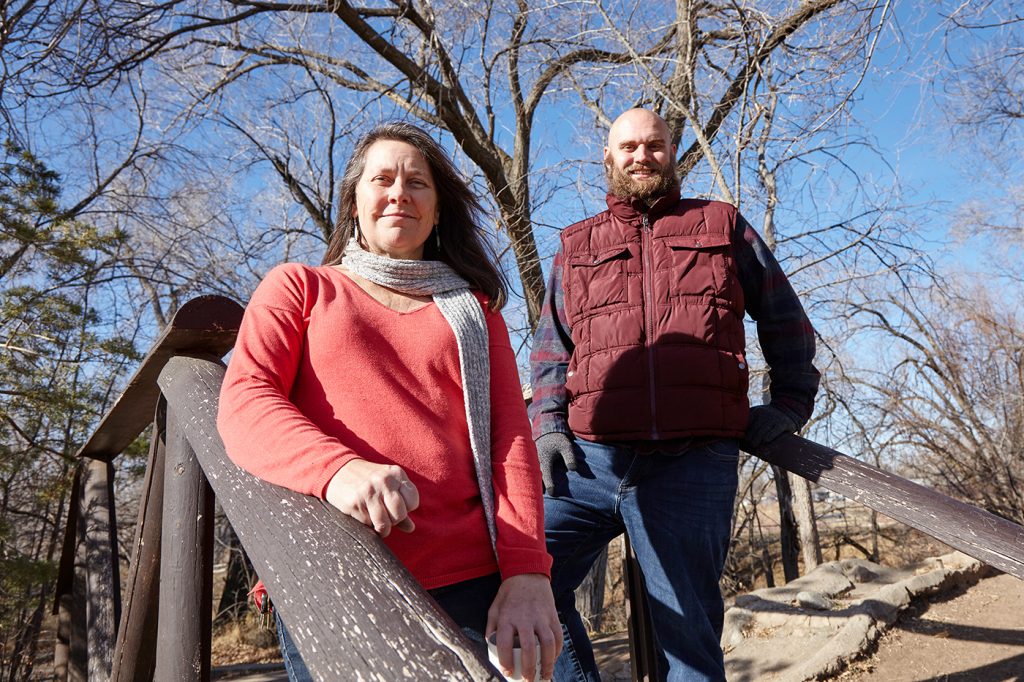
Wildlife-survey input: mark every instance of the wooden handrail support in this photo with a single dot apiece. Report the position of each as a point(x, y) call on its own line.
point(975, 532)
point(87, 593)
point(353, 610)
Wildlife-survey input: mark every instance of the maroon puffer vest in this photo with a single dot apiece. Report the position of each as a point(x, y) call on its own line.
point(656, 310)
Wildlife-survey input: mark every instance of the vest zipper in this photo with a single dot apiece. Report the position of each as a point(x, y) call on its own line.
point(646, 235)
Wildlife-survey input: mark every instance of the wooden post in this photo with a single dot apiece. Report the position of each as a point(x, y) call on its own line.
point(207, 324)
point(78, 654)
point(135, 653)
point(643, 654)
point(103, 576)
point(62, 647)
point(63, 604)
point(186, 564)
point(787, 526)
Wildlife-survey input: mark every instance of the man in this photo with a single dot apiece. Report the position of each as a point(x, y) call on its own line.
point(640, 393)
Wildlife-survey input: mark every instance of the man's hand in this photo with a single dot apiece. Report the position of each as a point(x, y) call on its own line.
point(766, 424)
point(525, 607)
point(378, 495)
point(554, 450)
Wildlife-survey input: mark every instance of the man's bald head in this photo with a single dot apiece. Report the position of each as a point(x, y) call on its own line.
point(638, 122)
point(639, 160)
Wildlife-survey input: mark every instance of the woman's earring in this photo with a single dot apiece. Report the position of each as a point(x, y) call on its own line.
point(437, 237)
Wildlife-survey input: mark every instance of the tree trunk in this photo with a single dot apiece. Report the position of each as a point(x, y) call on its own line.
point(590, 593)
point(237, 581)
point(803, 506)
point(524, 247)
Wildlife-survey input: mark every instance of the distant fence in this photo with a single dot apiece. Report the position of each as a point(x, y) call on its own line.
point(353, 610)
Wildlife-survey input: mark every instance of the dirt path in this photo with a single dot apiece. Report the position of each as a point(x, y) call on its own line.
point(973, 635)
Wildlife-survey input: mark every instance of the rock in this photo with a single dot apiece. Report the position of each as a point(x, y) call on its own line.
point(738, 621)
point(827, 579)
point(813, 626)
point(861, 574)
point(746, 601)
point(814, 600)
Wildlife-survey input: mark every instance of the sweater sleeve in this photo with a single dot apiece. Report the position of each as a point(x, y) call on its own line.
point(263, 431)
point(519, 502)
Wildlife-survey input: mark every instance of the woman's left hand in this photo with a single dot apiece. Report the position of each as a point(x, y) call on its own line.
point(525, 607)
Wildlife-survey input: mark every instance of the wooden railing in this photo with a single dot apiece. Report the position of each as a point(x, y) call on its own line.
point(353, 610)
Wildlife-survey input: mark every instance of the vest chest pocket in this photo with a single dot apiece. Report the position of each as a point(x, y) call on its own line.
point(596, 279)
point(698, 265)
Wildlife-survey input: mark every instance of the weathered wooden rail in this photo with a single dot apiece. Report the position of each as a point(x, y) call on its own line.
point(353, 610)
point(975, 532)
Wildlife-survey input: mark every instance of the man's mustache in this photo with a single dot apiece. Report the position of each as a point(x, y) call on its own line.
point(646, 166)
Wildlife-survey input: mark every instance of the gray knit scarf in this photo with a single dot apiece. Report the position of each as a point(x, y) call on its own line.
point(463, 312)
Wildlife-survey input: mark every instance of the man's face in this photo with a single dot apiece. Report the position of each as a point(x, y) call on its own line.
point(639, 160)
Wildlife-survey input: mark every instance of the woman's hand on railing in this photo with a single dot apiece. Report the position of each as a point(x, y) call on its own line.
point(378, 495)
point(525, 609)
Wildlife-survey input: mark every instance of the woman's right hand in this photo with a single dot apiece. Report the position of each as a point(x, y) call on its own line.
point(378, 495)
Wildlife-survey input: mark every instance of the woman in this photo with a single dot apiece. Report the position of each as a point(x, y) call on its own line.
point(384, 382)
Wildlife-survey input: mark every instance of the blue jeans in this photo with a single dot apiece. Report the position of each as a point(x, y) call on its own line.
point(466, 603)
point(676, 507)
point(293, 663)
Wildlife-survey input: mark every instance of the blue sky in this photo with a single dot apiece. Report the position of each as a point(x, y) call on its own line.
point(937, 165)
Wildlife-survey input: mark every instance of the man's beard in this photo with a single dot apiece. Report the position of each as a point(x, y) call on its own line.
point(625, 186)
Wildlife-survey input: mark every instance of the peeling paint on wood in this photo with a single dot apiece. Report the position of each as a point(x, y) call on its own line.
point(973, 531)
point(351, 607)
point(186, 563)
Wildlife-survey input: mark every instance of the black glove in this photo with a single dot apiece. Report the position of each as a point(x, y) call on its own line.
point(768, 423)
point(554, 449)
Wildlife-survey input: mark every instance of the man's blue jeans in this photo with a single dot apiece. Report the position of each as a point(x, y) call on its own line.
point(676, 507)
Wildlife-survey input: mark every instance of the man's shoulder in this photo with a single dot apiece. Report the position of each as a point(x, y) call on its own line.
point(581, 225)
point(584, 225)
point(689, 203)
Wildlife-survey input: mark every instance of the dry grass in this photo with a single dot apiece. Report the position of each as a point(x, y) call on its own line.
point(244, 641)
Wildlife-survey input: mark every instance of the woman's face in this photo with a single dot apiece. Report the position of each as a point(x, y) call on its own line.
point(396, 202)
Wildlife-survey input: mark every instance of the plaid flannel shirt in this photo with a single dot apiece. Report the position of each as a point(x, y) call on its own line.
point(783, 331)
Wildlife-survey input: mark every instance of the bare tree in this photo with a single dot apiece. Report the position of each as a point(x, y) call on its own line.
point(481, 72)
point(955, 393)
point(725, 86)
point(978, 86)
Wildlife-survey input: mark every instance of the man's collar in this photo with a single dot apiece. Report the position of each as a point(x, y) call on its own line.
point(631, 209)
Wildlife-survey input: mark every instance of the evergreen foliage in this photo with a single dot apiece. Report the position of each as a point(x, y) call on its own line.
point(57, 369)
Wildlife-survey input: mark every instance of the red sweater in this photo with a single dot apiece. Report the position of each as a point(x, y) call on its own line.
point(322, 373)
